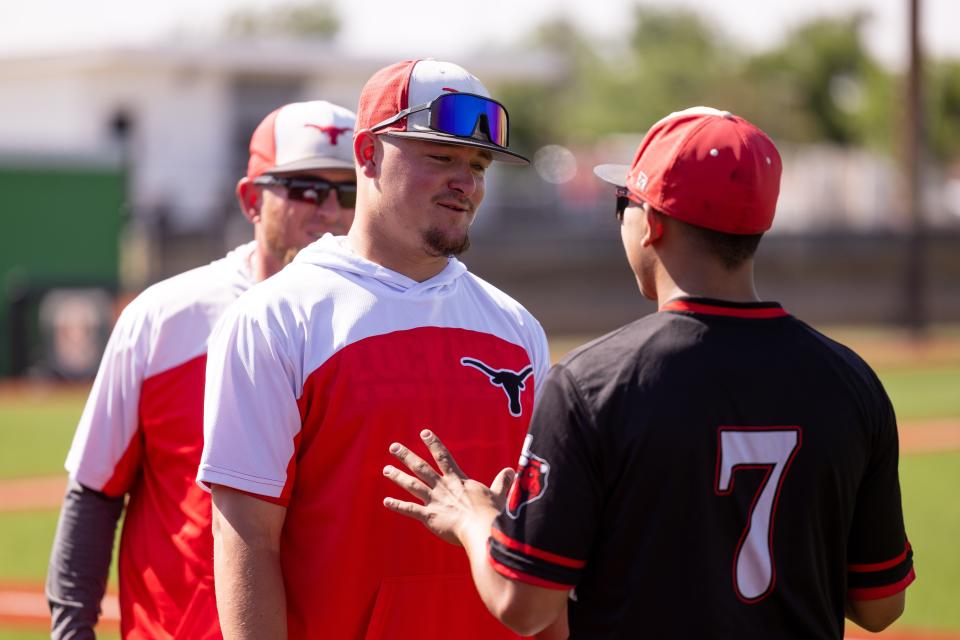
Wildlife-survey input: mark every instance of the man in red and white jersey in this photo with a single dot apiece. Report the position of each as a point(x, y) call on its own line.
point(141, 432)
point(361, 340)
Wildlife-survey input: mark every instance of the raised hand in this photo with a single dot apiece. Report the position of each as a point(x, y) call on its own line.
point(452, 502)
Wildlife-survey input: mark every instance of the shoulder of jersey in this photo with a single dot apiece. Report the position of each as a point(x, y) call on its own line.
point(619, 345)
point(213, 285)
point(296, 281)
point(842, 352)
point(502, 300)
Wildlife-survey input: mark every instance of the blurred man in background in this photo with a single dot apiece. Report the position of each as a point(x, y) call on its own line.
point(360, 340)
point(715, 470)
point(141, 432)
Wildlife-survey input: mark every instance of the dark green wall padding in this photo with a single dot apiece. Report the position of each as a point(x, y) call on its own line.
point(60, 226)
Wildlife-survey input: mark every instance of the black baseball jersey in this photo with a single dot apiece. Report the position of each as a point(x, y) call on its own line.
point(715, 470)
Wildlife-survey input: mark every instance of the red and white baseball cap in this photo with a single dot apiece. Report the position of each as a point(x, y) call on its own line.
point(303, 136)
point(706, 167)
point(413, 83)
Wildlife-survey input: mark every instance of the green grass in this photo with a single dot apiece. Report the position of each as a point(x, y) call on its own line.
point(25, 544)
point(16, 634)
point(923, 393)
point(36, 431)
point(929, 483)
point(27, 539)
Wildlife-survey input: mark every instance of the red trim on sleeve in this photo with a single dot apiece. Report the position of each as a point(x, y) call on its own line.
point(753, 312)
point(510, 543)
point(875, 593)
point(513, 574)
point(880, 566)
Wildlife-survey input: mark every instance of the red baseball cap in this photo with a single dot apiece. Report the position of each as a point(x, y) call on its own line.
point(706, 167)
point(411, 83)
point(302, 136)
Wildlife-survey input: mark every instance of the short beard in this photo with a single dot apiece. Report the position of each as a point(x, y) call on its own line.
point(437, 243)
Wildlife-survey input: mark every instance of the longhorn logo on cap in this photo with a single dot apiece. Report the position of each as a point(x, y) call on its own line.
point(332, 132)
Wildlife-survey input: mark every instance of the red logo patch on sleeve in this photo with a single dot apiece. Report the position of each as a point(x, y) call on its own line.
point(531, 481)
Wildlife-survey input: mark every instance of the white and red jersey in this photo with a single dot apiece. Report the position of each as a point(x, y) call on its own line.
point(312, 375)
point(141, 433)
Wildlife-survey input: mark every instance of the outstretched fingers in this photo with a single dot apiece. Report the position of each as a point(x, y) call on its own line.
point(448, 466)
point(409, 509)
point(406, 481)
point(416, 464)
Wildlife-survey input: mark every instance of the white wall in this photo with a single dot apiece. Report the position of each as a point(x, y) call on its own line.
point(45, 109)
point(181, 121)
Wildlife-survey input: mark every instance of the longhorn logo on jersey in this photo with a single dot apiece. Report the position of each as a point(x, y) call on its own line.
point(511, 382)
point(531, 480)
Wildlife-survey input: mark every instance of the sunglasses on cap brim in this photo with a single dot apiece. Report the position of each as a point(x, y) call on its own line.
point(461, 114)
point(313, 190)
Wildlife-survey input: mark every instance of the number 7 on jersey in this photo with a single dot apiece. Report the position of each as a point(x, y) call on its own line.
point(771, 449)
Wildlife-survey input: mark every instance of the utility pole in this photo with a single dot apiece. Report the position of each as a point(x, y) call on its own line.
point(914, 157)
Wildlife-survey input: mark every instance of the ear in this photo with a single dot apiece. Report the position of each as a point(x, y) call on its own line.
point(654, 231)
point(249, 197)
point(365, 153)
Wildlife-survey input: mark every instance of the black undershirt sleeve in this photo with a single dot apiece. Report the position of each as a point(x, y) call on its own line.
point(80, 561)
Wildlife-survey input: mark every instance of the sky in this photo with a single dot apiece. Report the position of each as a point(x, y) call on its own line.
point(448, 28)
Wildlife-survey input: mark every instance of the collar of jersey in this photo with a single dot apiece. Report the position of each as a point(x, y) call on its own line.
point(711, 307)
point(334, 253)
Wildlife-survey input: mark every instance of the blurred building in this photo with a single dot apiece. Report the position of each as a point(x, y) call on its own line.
point(179, 115)
point(122, 164)
point(119, 165)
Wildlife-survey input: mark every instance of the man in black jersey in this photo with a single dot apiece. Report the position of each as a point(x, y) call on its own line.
point(718, 469)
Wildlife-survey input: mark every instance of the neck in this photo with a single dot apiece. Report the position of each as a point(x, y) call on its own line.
point(368, 241)
point(710, 281)
point(263, 264)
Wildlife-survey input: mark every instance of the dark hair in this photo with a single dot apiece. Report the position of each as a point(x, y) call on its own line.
point(732, 249)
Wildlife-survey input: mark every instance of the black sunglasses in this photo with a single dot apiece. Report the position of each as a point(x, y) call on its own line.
point(313, 190)
point(623, 201)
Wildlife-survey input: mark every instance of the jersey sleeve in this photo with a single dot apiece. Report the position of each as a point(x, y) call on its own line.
point(540, 359)
point(553, 508)
point(107, 447)
point(251, 417)
point(879, 554)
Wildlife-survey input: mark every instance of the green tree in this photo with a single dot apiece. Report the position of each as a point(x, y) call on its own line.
point(943, 109)
point(544, 109)
point(669, 60)
point(821, 84)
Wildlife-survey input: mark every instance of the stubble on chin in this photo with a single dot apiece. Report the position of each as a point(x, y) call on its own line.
point(438, 244)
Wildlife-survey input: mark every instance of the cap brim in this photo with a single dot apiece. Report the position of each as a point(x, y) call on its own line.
point(310, 164)
point(613, 173)
point(499, 153)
